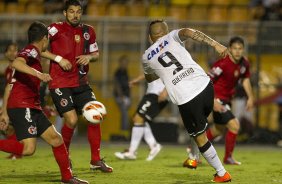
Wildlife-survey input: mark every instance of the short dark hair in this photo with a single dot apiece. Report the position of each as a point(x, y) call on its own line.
point(236, 39)
point(154, 22)
point(36, 31)
point(10, 45)
point(72, 3)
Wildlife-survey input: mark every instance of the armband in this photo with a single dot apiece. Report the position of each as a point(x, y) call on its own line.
point(58, 58)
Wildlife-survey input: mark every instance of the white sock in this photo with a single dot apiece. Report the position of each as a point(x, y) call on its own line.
point(148, 136)
point(211, 156)
point(195, 153)
point(136, 136)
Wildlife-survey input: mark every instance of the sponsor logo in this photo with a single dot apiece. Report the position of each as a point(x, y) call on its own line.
point(52, 31)
point(32, 130)
point(77, 38)
point(64, 102)
point(86, 36)
point(157, 50)
point(33, 53)
point(243, 70)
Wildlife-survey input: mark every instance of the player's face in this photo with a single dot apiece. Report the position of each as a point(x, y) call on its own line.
point(73, 15)
point(11, 53)
point(237, 50)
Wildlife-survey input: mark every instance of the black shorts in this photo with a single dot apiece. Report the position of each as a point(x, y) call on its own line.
point(67, 99)
point(28, 123)
point(149, 107)
point(222, 118)
point(195, 112)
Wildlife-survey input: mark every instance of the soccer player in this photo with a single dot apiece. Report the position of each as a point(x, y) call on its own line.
point(11, 139)
point(73, 46)
point(149, 107)
point(186, 82)
point(23, 107)
point(225, 74)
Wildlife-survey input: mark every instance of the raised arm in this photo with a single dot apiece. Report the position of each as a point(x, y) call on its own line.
point(196, 35)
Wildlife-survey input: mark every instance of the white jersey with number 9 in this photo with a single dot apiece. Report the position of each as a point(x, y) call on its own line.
point(182, 76)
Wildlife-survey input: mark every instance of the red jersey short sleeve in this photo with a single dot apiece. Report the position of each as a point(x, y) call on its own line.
point(69, 42)
point(25, 88)
point(225, 75)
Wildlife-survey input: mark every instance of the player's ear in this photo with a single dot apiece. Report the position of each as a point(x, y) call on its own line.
point(150, 39)
point(65, 13)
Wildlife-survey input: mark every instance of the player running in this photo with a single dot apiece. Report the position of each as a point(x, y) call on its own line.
point(23, 107)
point(154, 100)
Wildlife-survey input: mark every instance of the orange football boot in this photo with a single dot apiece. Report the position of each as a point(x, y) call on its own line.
point(190, 163)
point(222, 179)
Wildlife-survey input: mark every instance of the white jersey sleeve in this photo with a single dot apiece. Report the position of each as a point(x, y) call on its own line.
point(155, 87)
point(172, 63)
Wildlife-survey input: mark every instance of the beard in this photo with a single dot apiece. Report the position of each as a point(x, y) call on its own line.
point(74, 23)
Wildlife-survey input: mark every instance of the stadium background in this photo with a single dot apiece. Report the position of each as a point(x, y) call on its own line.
point(121, 29)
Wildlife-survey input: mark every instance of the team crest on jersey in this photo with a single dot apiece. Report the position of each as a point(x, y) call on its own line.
point(64, 102)
point(243, 70)
point(77, 38)
point(86, 36)
point(32, 130)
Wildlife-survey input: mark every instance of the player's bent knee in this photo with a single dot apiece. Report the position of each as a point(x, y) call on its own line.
point(29, 150)
point(56, 140)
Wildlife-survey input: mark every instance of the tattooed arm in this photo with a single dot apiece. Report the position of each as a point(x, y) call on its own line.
point(196, 35)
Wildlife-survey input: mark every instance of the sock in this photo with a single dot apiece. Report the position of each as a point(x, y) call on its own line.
point(230, 141)
point(148, 136)
point(209, 135)
point(94, 139)
point(209, 153)
point(136, 136)
point(62, 158)
point(195, 153)
point(67, 134)
point(11, 146)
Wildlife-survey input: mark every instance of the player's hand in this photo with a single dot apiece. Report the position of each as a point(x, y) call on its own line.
point(133, 82)
point(44, 77)
point(4, 122)
point(163, 96)
point(250, 104)
point(83, 60)
point(218, 107)
point(222, 50)
point(65, 64)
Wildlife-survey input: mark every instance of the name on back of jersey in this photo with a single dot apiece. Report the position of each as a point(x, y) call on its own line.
point(182, 76)
point(157, 49)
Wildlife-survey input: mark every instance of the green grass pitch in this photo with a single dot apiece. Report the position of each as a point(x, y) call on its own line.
point(260, 164)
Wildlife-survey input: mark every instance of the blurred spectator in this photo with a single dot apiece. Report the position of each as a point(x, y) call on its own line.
point(53, 6)
point(266, 10)
point(122, 91)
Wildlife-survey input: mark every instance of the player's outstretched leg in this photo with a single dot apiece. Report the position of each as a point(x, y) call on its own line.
point(94, 139)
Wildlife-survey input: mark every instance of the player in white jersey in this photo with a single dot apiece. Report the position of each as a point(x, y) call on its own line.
point(149, 107)
point(186, 82)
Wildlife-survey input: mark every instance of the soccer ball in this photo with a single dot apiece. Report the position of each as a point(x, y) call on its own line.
point(94, 112)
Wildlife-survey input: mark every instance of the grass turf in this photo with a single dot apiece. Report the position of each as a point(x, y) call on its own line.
point(260, 164)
